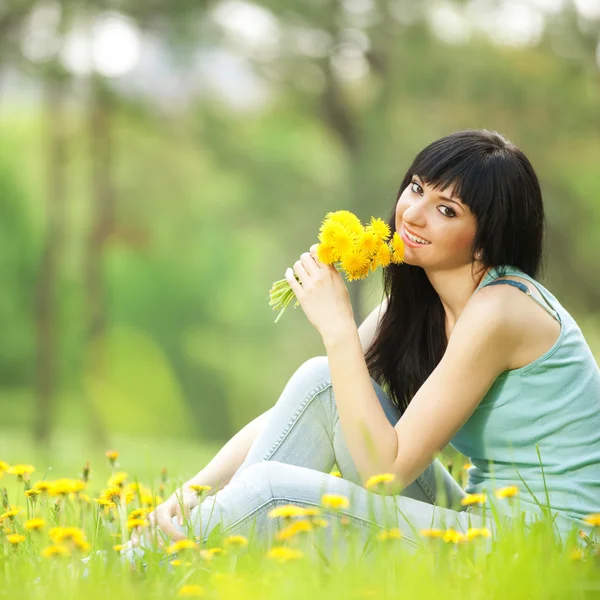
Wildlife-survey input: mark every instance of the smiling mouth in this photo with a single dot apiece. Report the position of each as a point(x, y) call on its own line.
point(415, 238)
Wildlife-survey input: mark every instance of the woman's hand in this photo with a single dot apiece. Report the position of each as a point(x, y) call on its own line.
point(323, 294)
point(163, 514)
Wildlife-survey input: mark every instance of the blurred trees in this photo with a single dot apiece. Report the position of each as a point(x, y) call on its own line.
point(157, 230)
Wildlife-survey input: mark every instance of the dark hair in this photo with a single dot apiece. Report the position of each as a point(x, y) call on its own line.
point(498, 184)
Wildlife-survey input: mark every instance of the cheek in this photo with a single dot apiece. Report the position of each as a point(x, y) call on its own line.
point(462, 239)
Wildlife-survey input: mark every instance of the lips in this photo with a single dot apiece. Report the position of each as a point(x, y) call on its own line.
point(406, 230)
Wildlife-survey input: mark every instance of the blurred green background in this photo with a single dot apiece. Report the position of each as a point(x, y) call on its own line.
point(163, 162)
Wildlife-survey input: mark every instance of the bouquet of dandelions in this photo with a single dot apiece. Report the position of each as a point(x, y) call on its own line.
point(350, 247)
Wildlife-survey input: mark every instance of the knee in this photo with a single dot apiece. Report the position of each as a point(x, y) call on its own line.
point(315, 369)
point(268, 477)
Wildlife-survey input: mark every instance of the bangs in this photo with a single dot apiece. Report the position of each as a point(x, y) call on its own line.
point(469, 172)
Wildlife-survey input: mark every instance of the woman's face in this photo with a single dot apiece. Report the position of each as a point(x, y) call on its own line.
point(441, 219)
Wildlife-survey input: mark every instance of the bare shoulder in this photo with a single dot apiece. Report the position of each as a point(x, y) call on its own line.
point(531, 330)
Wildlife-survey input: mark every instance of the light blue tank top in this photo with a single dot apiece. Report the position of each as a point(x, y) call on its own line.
point(553, 402)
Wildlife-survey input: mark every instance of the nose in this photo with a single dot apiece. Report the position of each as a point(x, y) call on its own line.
point(414, 214)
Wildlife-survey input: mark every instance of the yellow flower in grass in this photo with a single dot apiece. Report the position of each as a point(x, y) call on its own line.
point(319, 523)
point(112, 456)
point(42, 486)
point(576, 554)
point(32, 494)
point(450, 535)
point(63, 487)
point(294, 529)
point(376, 480)
point(238, 541)
point(20, 470)
point(139, 513)
point(15, 538)
point(286, 511)
point(191, 591)
point(200, 489)
point(117, 480)
point(507, 492)
point(112, 496)
point(336, 473)
point(11, 513)
point(283, 554)
point(119, 547)
point(473, 499)
point(389, 534)
point(210, 553)
point(335, 501)
point(593, 519)
point(182, 545)
point(55, 551)
point(133, 523)
point(4, 466)
point(34, 524)
point(474, 532)
point(431, 533)
point(467, 466)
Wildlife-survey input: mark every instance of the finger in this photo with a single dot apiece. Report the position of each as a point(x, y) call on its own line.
point(166, 525)
point(314, 253)
point(311, 266)
point(302, 273)
point(293, 282)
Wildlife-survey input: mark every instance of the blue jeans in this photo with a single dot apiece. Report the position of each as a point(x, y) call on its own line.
point(290, 460)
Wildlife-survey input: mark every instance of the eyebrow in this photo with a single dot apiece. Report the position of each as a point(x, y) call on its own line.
point(443, 197)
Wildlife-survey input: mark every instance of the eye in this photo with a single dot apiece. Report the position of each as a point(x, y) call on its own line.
point(413, 183)
point(452, 213)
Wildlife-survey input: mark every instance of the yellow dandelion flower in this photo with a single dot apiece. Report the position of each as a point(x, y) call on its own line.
point(112, 456)
point(336, 473)
point(287, 511)
point(210, 553)
point(507, 492)
point(432, 533)
point(138, 513)
point(473, 499)
point(4, 466)
point(368, 242)
point(32, 493)
point(474, 532)
point(55, 551)
point(34, 524)
point(15, 538)
point(467, 466)
point(65, 534)
point(182, 545)
point(133, 523)
point(330, 231)
point(283, 554)
point(450, 535)
point(383, 256)
point(293, 530)
point(335, 501)
point(593, 519)
point(200, 489)
point(327, 253)
point(117, 480)
point(236, 540)
point(63, 487)
point(389, 534)
point(20, 470)
point(319, 523)
point(376, 480)
point(380, 227)
point(191, 591)
point(42, 486)
point(311, 511)
point(576, 554)
point(397, 248)
point(119, 547)
point(355, 264)
point(346, 218)
point(147, 499)
point(11, 513)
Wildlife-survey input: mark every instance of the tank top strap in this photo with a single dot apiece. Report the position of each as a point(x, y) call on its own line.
point(490, 279)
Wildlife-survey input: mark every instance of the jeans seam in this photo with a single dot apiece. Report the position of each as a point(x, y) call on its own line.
point(296, 415)
point(422, 482)
point(358, 520)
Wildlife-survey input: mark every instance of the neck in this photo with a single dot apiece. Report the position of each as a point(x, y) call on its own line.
point(455, 287)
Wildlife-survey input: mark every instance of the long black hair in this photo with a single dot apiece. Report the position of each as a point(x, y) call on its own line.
point(498, 184)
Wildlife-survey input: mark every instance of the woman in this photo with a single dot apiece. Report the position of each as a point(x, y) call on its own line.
point(501, 372)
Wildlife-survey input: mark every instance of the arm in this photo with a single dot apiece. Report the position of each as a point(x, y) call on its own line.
point(483, 336)
point(217, 473)
point(368, 328)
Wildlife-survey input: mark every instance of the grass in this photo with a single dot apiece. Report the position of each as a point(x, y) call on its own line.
point(514, 564)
